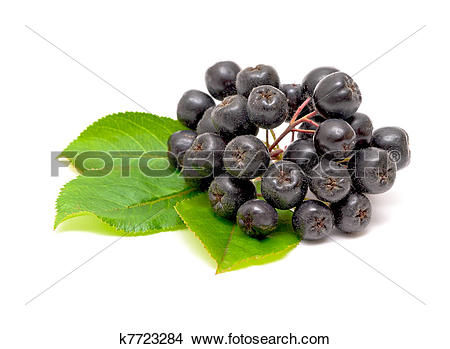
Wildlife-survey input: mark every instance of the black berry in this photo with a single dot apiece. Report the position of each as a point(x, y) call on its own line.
point(257, 218)
point(362, 125)
point(205, 125)
point(312, 220)
point(230, 118)
point(311, 79)
point(303, 153)
point(246, 157)
point(227, 193)
point(177, 144)
point(372, 171)
point(334, 137)
point(284, 185)
point(251, 77)
point(191, 107)
point(396, 142)
point(221, 79)
point(293, 93)
point(205, 157)
point(352, 214)
point(329, 181)
point(337, 96)
point(267, 107)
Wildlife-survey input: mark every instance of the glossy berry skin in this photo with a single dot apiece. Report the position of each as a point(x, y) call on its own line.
point(293, 93)
point(362, 125)
point(221, 79)
point(284, 185)
point(303, 153)
point(337, 96)
point(329, 181)
point(205, 125)
point(230, 118)
point(177, 144)
point(191, 107)
point(267, 107)
point(335, 138)
point(372, 171)
point(352, 214)
point(257, 218)
point(227, 193)
point(312, 220)
point(246, 157)
point(311, 79)
point(205, 157)
point(396, 142)
point(251, 77)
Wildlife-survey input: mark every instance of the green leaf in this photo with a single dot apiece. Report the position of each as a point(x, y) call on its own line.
point(133, 202)
point(136, 205)
point(129, 131)
point(228, 245)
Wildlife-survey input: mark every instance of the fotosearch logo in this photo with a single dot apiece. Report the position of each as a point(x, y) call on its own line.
point(102, 163)
point(156, 164)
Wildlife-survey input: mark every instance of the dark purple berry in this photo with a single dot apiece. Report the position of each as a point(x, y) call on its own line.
point(191, 107)
point(177, 144)
point(246, 157)
point(311, 79)
point(372, 170)
point(257, 218)
point(329, 181)
point(312, 220)
point(205, 125)
point(337, 96)
point(205, 157)
point(230, 118)
point(267, 107)
point(303, 153)
point(221, 79)
point(251, 77)
point(334, 138)
point(352, 214)
point(396, 142)
point(293, 93)
point(362, 125)
point(284, 185)
point(227, 194)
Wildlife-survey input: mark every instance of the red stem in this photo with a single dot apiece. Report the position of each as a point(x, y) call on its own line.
point(302, 131)
point(276, 152)
point(309, 121)
point(299, 109)
point(291, 126)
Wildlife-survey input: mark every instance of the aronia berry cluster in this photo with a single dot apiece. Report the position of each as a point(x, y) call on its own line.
point(336, 153)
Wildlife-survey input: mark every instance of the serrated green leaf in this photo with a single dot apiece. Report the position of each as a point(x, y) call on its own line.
point(228, 245)
point(129, 131)
point(134, 203)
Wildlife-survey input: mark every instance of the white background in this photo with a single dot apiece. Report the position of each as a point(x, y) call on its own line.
point(153, 52)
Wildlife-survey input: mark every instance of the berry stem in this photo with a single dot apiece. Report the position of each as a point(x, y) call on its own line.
point(291, 126)
point(267, 137)
point(274, 136)
point(309, 121)
point(299, 109)
point(302, 131)
point(274, 153)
